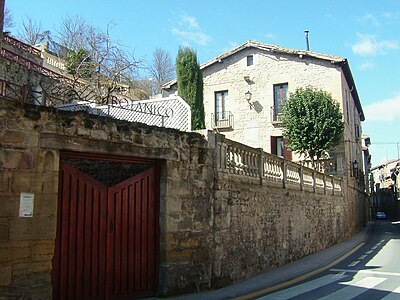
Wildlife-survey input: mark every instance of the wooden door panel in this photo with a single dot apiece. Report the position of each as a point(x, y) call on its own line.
point(132, 242)
point(107, 238)
point(79, 263)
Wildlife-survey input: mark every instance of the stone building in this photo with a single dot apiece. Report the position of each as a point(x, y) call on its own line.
point(94, 207)
point(244, 90)
point(385, 187)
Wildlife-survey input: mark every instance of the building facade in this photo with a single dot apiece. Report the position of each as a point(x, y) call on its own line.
point(245, 88)
point(385, 187)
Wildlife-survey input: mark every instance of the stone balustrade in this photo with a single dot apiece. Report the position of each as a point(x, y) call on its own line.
point(236, 158)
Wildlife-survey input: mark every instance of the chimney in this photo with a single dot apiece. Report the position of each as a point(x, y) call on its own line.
point(307, 43)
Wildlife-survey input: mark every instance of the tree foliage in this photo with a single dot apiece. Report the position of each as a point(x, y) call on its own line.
point(312, 122)
point(73, 33)
point(190, 84)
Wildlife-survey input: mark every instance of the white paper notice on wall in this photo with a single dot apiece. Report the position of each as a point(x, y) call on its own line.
point(26, 205)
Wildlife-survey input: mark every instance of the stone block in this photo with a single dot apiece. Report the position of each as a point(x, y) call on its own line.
point(33, 228)
point(30, 268)
point(99, 134)
point(83, 131)
point(4, 229)
point(45, 205)
point(9, 205)
point(21, 181)
point(12, 137)
point(42, 250)
point(5, 276)
point(44, 182)
point(15, 159)
point(177, 256)
point(5, 178)
point(14, 252)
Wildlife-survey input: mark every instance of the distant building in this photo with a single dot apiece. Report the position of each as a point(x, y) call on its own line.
point(385, 186)
point(366, 142)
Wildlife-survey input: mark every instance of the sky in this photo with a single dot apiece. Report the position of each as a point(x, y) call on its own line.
point(366, 32)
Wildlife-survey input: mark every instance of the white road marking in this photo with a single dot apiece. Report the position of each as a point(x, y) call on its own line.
point(369, 252)
point(362, 257)
point(366, 272)
point(353, 263)
point(354, 289)
point(394, 295)
point(304, 287)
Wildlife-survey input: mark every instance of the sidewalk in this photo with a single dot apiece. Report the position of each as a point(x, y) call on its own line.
point(285, 275)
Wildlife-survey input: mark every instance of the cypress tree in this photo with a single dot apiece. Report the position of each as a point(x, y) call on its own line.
point(190, 84)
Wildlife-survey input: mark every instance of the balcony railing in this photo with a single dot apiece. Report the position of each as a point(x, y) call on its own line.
point(223, 120)
point(236, 158)
point(28, 94)
point(20, 45)
point(276, 114)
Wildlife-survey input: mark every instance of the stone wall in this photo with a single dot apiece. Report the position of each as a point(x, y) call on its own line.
point(218, 223)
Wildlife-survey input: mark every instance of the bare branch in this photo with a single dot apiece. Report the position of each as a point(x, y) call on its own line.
point(8, 20)
point(161, 69)
point(32, 32)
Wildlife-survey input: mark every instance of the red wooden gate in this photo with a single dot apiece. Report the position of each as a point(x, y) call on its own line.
point(107, 237)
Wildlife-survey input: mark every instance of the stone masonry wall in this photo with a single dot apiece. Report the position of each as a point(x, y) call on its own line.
point(215, 228)
point(31, 139)
point(258, 228)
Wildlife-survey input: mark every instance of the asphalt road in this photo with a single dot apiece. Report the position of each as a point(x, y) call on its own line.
point(372, 272)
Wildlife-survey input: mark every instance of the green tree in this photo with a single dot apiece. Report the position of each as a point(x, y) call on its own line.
point(312, 122)
point(79, 62)
point(190, 84)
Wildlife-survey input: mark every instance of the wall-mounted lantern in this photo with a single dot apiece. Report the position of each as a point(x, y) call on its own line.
point(248, 96)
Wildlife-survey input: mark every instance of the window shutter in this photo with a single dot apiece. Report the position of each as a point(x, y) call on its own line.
point(287, 154)
point(273, 145)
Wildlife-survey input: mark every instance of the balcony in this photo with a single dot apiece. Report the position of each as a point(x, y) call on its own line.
point(223, 120)
point(276, 114)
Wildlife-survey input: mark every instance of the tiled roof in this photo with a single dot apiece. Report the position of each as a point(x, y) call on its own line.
point(266, 47)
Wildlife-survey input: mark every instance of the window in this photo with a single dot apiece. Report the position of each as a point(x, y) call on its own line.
point(278, 147)
point(357, 131)
point(221, 99)
point(249, 60)
point(280, 95)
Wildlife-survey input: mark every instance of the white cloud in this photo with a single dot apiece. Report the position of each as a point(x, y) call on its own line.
point(199, 38)
point(383, 111)
point(366, 66)
point(190, 21)
point(189, 31)
point(391, 16)
point(269, 36)
point(369, 18)
point(369, 45)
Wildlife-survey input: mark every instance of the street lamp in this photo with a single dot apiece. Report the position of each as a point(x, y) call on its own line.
point(248, 96)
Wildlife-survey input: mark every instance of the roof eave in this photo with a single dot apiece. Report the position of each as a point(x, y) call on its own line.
point(349, 78)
